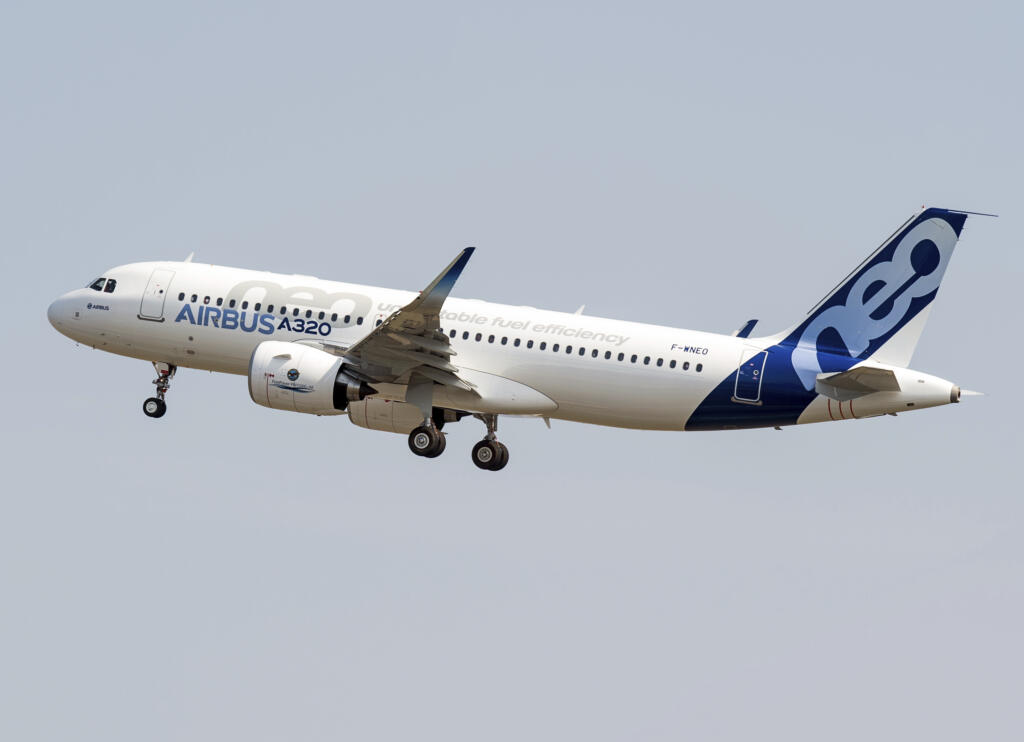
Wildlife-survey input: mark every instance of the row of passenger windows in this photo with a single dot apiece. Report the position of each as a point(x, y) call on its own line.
point(269, 308)
point(347, 319)
point(582, 351)
point(106, 285)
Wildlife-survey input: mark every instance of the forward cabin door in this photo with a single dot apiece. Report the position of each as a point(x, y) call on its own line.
point(749, 376)
point(155, 295)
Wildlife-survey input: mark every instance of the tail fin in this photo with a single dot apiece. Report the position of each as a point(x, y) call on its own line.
point(880, 309)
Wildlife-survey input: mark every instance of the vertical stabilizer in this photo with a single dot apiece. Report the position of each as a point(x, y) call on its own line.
point(879, 310)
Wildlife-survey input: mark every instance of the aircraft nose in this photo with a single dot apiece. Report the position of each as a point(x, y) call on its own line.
point(57, 311)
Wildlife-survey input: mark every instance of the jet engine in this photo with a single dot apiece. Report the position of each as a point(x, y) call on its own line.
point(383, 414)
point(301, 378)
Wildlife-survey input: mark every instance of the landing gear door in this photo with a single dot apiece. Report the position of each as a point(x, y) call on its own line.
point(155, 295)
point(749, 376)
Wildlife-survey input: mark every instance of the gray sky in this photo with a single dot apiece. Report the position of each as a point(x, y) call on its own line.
point(230, 572)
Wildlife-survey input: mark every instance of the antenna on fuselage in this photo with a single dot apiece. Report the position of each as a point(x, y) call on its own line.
point(190, 256)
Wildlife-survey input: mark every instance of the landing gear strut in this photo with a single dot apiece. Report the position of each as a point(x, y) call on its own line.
point(156, 406)
point(489, 454)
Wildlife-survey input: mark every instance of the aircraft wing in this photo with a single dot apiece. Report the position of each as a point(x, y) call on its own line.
point(410, 340)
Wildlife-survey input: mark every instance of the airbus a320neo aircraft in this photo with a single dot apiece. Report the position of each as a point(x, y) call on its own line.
point(411, 363)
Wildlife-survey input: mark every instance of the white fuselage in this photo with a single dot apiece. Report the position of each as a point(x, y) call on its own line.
point(583, 368)
point(672, 372)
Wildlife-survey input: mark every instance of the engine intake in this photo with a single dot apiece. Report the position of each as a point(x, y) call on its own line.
point(301, 378)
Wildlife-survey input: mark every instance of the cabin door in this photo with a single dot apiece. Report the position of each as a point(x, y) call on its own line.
point(155, 295)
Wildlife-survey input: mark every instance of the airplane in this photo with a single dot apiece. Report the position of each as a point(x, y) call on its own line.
point(411, 363)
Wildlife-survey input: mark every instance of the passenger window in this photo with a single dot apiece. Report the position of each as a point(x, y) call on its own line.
point(320, 316)
point(348, 319)
point(256, 307)
point(568, 349)
point(659, 362)
point(359, 320)
point(529, 343)
point(583, 351)
point(699, 367)
point(245, 305)
point(607, 355)
point(686, 365)
point(231, 303)
point(112, 284)
point(593, 353)
point(622, 356)
point(451, 334)
point(672, 363)
point(309, 313)
point(479, 337)
point(378, 323)
point(516, 343)
point(543, 346)
point(554, 348)
point(504, 340)
point(490, 339)
point(97, 285)
point(295, 312)
point(284, 310)
point(181, 296)
point(206, 300)
point(632, 358)
point(334, 317)
point(195, 298)
point(465, 336)
point(220, 300)
point(647, 360)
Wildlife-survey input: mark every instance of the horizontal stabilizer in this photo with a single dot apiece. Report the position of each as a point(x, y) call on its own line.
point(856, 382)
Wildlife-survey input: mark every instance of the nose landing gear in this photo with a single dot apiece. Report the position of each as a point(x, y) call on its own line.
point(156, 406)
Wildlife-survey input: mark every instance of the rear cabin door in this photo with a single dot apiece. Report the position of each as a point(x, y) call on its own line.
point(749, 376)
point(155, 295)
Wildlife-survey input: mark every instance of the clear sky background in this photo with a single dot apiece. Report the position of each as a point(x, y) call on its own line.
point(231, 572)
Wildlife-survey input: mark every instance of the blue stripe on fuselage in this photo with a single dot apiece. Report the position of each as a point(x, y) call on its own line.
point(849, 326)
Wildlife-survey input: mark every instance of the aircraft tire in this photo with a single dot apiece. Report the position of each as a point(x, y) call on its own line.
point(423, 441)
point(486, 454)
point(502, 459)
point(442, 443)
point(154, 407)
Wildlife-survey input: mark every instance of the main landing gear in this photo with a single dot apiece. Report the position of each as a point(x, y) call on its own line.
point(489, 454)
point(428, 441)
point(156, 406)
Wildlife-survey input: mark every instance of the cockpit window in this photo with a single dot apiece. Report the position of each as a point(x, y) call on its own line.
point(97, 285)
point(111, 285)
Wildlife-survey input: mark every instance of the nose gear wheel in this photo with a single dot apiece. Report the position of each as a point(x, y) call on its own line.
point(156, 406)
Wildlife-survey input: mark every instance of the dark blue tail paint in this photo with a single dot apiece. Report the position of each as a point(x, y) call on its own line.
point(852, 323)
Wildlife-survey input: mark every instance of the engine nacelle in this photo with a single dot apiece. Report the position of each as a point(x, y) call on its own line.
point(382, 414)
point(301, 378)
